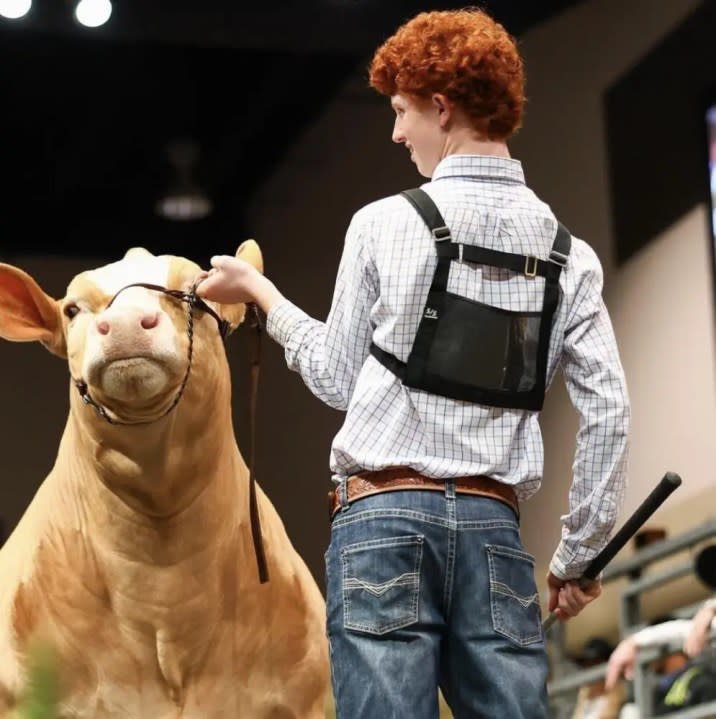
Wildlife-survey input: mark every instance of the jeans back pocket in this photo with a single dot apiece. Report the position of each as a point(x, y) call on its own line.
point(514, 600)
point(381, 583)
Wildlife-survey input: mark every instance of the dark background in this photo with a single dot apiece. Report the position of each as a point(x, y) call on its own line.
point(657, 133)
point(87, 114)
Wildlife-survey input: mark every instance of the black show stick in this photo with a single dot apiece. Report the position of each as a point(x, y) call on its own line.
point(669, 482)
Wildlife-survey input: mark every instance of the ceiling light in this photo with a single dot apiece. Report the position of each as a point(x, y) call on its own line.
point(14, 9)
point(93, 13)
point(185, 199)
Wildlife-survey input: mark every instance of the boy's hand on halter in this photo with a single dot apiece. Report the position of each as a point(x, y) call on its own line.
point(233, 280)
point(229, 281)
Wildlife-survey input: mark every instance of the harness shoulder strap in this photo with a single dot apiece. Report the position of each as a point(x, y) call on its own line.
point(428, 210)
point(561, 246)
point(447, 249)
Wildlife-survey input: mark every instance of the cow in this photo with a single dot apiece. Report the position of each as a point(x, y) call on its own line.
point(134, 561)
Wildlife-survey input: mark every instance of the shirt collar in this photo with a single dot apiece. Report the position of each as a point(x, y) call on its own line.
point(480, 166)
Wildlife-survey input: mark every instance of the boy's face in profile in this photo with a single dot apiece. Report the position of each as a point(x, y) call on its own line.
point(417, 126)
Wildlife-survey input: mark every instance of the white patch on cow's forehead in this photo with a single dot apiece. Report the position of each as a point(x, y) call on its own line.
point(135, 268)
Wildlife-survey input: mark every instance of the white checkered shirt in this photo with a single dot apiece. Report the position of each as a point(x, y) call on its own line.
point(387, 266)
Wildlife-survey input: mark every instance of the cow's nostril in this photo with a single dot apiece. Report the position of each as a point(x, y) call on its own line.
point(150, 321)
point(103, 328)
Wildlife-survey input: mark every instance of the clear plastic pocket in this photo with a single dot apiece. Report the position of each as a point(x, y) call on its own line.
point(485, 347)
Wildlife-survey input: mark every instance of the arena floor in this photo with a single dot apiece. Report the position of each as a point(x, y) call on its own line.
point(444, 710)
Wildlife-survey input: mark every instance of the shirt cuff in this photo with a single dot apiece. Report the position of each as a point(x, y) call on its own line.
point(564, 567)
point(675, 631)
point(282, 320)
point(559, 569)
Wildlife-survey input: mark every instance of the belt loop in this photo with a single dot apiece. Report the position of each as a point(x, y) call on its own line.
point(449, 489)
point(343, 493)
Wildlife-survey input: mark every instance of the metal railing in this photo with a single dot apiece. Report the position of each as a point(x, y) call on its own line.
point(568, 680)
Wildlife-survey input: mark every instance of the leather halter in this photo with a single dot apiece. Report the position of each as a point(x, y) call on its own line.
point(194, 302)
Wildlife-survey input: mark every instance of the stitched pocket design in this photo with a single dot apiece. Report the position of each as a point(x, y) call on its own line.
point(514, 600)
point(381, 583)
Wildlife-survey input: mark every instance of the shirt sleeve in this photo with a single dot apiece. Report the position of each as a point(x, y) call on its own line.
point(597, 388)
point(674, 631)
point(329, 355)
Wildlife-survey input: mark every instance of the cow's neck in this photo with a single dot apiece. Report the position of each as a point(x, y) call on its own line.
point(156, 469)
point(164, 509)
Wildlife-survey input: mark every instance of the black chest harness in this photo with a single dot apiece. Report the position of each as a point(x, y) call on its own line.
point(471, 351)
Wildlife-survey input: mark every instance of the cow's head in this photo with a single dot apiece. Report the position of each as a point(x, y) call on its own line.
point(131, 348)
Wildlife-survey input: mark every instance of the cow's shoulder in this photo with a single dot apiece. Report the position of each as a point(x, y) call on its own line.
point(61, 594)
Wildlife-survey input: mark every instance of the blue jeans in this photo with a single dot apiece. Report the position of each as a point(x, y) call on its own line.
point(428, 589)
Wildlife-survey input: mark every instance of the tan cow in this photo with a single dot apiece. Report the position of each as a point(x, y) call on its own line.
point(134, 560)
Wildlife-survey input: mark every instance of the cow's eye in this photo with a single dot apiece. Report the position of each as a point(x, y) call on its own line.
point(71, 310)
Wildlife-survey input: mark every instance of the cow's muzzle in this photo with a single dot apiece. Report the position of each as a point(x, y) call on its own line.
point(193, 303)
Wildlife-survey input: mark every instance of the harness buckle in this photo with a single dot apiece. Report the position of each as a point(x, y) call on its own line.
point(440, 234)
point(530, 269)
point(559, 258)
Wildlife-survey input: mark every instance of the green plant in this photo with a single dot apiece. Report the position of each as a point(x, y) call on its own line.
point(41, 697)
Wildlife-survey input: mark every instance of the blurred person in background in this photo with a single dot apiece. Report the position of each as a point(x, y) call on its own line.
point(688, 678)
point(595, 701)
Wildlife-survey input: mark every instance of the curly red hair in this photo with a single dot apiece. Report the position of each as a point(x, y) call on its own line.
point(462, 54)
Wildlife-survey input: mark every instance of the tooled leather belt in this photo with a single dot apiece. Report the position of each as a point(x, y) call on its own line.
point(366, 484)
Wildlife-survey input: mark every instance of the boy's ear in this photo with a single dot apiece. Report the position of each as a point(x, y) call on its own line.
point(444, 108)
point(250, 252)
point(27, 314)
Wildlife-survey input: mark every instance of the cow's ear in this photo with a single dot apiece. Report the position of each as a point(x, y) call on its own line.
point(27, 314)
point(250, 252)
